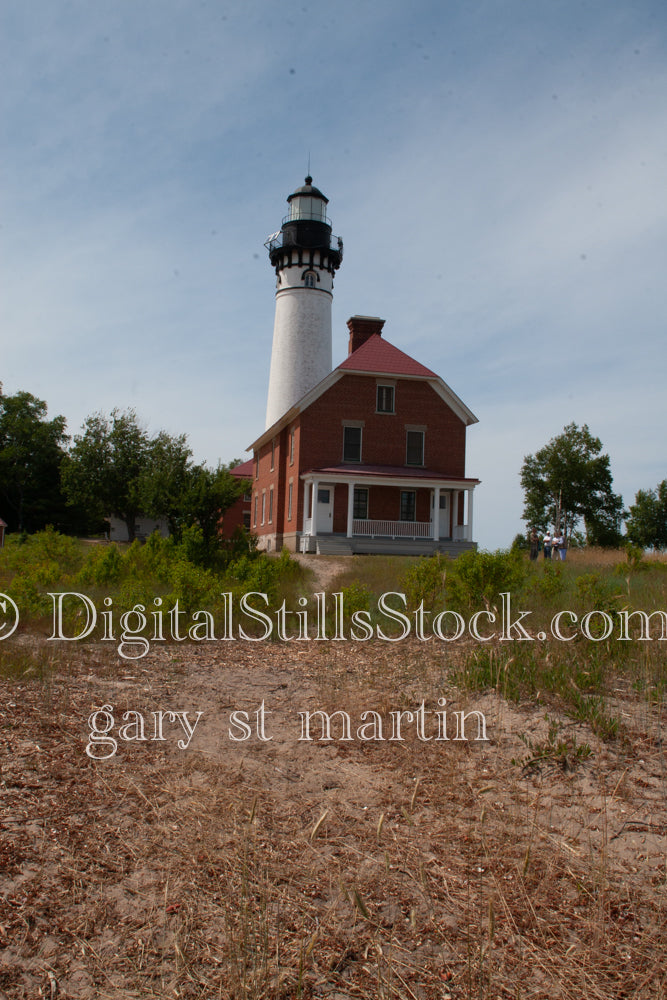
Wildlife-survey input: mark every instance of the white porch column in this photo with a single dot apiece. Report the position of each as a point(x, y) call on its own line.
point(469, 520)
point(306, 503)
point(435, 527)
point(316, 486)
point(350, 508)
point(455, 514)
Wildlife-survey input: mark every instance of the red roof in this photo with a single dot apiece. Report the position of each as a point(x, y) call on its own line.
point(378, 355)
point(244, 470)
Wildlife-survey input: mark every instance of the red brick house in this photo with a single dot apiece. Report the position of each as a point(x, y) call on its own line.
point(238, 515)
point(371, 459)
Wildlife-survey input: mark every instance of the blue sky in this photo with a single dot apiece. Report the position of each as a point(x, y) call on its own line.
point(497, 171)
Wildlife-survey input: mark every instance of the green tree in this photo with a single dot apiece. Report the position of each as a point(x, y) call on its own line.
point(646, 524)
point(165, 479)
point(103, 469)
point(31, 452)
point(209, 493)
point(569, 480)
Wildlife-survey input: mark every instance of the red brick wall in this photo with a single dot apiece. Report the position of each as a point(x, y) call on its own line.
point(278, 478)
point(383, 435)
point(233, 517)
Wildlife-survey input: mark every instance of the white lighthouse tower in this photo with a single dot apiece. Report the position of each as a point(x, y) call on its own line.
point(305, 256)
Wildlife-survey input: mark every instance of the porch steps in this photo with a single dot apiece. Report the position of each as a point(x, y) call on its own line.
point(333, 545)
point(340, 545)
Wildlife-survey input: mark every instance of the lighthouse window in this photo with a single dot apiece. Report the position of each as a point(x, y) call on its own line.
point(309, 280)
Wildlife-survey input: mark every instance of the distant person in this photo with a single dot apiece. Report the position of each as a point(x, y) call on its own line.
point(560, 544)
point(534, 543)
point(546, 542)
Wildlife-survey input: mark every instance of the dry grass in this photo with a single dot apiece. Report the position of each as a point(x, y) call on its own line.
point(607, 558)
point(343, 870)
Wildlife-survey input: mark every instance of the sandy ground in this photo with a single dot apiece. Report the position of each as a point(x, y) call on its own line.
point(280, 867)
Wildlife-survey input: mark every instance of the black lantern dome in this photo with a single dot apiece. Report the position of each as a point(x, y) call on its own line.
point(306, 227)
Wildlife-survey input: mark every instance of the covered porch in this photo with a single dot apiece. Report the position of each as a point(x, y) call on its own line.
point(403, 511)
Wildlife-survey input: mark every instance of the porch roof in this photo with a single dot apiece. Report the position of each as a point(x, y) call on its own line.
point(389, 475)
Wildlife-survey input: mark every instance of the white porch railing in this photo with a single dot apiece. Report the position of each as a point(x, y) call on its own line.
point(393, 529)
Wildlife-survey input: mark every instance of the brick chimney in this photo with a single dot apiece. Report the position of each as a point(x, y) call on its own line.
point(361, 328)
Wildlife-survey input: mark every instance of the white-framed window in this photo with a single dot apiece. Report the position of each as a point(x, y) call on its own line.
point(271, 505)
point(291, 446)
point(254, 515)
point(263, 506)
point(289, 501)
point(385, 399)
point(273, 454)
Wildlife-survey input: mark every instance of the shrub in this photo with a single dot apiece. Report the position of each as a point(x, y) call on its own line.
point(477, 578)
point(194, 587)
point(44, 547)
point(425, 581)
point(356, 597)
point(104, 566)
point(551, 582)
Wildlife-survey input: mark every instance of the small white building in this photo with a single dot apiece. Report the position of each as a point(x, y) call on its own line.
point(143, 528)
